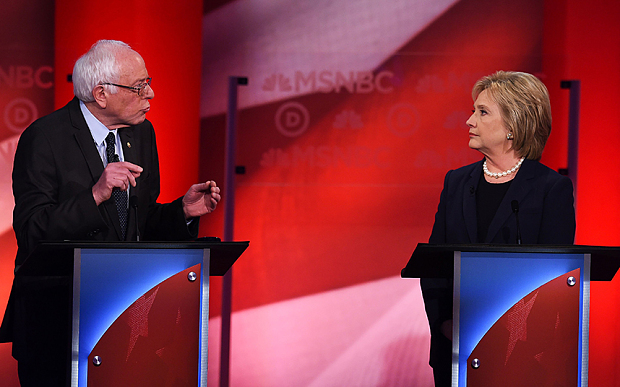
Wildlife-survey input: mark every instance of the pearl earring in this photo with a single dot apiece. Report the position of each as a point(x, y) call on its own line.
point(509, 136)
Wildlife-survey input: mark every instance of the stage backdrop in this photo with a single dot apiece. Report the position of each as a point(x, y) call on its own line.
point(26, 93)
point(353, 114)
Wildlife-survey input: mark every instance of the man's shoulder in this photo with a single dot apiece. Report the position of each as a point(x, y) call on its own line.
point(143, 131)
point(146, 124)
point(54, 127)
point(59, 116)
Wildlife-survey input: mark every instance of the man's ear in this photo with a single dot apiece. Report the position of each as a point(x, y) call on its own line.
point(101, 96)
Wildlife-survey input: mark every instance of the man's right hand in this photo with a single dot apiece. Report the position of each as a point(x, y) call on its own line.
point(115, 175)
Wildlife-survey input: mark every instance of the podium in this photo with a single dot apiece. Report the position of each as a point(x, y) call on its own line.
point(140, 309)
point(520, 312)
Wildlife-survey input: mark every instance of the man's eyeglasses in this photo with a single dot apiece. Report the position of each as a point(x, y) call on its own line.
point(140, 89)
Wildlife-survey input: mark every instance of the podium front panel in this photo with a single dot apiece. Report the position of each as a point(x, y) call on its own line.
point(520, 313)
point(109, 281)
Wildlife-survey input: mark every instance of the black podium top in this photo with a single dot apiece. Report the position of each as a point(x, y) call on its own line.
point(56, 258)
point(437, 261)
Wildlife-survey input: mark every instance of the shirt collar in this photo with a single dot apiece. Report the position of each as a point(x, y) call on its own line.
point(98, 130)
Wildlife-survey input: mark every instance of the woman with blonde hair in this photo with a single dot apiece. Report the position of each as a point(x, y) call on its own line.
point(510, 124)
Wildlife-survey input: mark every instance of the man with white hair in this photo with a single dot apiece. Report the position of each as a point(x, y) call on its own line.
point(75, 173)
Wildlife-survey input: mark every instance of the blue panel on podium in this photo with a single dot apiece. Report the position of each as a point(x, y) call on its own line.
point(487, 285)
point(110, 280)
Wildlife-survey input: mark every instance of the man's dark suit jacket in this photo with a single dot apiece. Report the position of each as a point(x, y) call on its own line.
point(56, 165)
point(546, 216)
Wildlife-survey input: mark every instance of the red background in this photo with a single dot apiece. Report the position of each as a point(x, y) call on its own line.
point(573, 40)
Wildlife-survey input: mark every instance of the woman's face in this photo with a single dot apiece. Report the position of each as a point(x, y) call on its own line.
point(487, 132)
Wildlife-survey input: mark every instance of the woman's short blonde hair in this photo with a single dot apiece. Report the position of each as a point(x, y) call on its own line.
point(524, 105)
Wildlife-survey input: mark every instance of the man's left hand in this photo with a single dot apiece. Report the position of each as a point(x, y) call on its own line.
point(201, 199)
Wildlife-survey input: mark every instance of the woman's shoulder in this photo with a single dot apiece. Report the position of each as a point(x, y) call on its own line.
point(545, 178)
point(538, 169)
point(465, 171)
point(465, 177)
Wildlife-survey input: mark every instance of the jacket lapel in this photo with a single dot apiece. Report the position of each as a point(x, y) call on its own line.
point(469, 202)
point(85, 140)
point(127, 140)
point(93, 160)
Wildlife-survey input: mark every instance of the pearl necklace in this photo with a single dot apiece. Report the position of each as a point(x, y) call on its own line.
point(501, 174)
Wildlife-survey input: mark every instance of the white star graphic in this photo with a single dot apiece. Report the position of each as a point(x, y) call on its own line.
point(138, 319)
point(516, 323)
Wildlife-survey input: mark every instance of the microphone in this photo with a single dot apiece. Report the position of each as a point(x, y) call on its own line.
point(133, 203)
point(515, 209)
